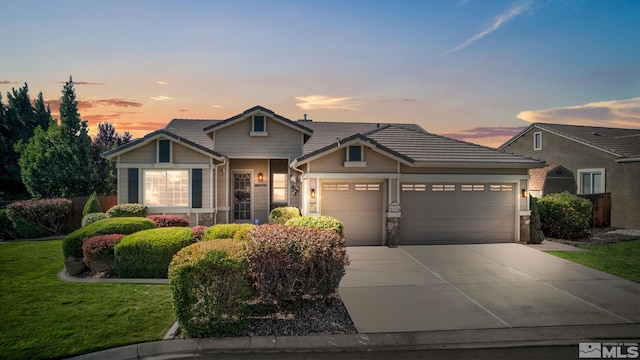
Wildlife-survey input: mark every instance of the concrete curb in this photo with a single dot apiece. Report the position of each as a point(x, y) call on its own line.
point(450, 339)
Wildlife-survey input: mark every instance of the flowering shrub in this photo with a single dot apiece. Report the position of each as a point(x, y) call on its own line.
point(280, 215)
point(290, 263)
point(98, 252)
point(198, 232)
point(228, 231)
point(72, 244)
point(210, 288)
point(92, 205)
point(319, 222)
point(147, 254)
point(565, 216)
point(33, 218)
point(169, 220)
point(7, 231)
point(93, 217)
point(128, 210)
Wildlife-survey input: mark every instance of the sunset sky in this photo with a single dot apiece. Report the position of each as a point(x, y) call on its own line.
point(473, 70)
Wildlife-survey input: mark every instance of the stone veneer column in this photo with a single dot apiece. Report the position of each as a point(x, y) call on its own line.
point(393, 225)
point(525, 229)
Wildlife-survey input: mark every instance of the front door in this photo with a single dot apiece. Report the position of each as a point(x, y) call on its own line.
point(242, 196)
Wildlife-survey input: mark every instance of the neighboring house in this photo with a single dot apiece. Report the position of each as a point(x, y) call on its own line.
point(388, 183)
point(588, 160)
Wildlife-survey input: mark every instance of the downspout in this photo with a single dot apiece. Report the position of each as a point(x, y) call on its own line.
point(293, 165)
point(215, 190)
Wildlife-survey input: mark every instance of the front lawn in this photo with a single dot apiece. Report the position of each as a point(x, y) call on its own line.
point(46, 318)
point(620, 259)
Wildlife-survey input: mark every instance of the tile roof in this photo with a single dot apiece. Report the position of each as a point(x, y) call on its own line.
point(166, 133)
point(192, 129)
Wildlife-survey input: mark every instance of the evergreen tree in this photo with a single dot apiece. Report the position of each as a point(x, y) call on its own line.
point(106, 139)
point(58, 162)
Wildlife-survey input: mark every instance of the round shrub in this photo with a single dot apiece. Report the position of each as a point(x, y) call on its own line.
point(147, 254)
point(210, 288)
point(565, 216)
point(128, 210)
point(280, 215)
point(98, 251)
point(228, 231)
point(92, 205)
point(93, 217)
point(72, 244)
point(319, 222)
point(198, 232)
point(169, 220)
point(291, 263)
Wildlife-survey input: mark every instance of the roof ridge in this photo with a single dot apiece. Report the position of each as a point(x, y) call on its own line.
point(585, 126)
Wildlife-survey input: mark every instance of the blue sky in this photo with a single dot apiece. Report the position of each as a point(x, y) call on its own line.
point(474, 70)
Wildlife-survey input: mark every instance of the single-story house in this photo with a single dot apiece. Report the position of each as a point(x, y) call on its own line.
point(586, 160)
point(388, 183)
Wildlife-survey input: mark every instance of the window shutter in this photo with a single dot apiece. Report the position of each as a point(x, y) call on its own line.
point(196, 188)
point(164, 151)
point(133, 186)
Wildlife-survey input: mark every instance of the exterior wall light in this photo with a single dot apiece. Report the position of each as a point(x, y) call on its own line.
point(313, 193)
point(524, 193)
point(260, 177)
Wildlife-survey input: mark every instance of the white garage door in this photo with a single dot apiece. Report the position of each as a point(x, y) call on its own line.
point(359, 206)
point(457, 213)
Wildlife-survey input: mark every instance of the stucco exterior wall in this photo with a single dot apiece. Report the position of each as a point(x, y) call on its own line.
point(621, 179)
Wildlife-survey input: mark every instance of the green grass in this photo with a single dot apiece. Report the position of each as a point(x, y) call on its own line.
point(620, 259)
point(46, 318)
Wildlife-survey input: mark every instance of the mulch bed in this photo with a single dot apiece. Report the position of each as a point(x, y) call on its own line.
point(606, 235)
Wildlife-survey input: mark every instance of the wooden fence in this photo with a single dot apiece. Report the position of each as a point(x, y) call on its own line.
point(74, 219)
point(601, 209)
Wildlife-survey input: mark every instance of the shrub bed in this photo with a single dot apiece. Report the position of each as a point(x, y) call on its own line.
point(93, 217)
point(147, 254)
point(318, 222)
point(128, 210)
point(291, 263)
point(228, 231)
point(565, 216)
point(210, 288)
point(280, 215)
point(35, 218)
point(72, 244)
point(169, 220)
point(98, 252)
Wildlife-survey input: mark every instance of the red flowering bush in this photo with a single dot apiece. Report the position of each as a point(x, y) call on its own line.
point(98, 252)
point(291, 263)
point(169, 220)
point(34, 218)
point(198, 232)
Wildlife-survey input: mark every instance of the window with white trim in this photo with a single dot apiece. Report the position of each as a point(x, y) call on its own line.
point(414, 187)
point(537, 140)
point(258, 125)
point(502, 187)
point(166, 187)
point(591, 181)
point(279, 187)
point(355, 153)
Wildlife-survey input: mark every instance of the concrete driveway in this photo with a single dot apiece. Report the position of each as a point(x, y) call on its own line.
point(456, 287)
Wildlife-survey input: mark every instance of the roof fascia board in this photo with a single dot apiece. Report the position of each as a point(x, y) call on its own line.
point(169, 136)
point(257, 111)
point(354, 139)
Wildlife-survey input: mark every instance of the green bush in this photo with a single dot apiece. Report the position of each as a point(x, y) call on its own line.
point(147, 254)
point(210, 288)
point(280, 215)
point(319, 222)
point(98, 252)
point(128, 210)
point(72, 244)
point(291, 263)
point(35, 218)
point(228, 231)
point(535, 227)
point(565, 216)
point(7, 230)
point(93, 217)
point(92, 205)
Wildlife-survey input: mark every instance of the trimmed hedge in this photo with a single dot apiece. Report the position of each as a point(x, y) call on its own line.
point(92, 205)
point(291, 263)
point(565, 216)
point(98, 252)
point(228, 231)
point(72, 244)
point(35, 218)
point(210, 288)
point(169, 220)
point(128, 210)
point(280, 215)
point(7, 230)
point(148, 253)
point(536, 236)
point(93, 217)
point(319, 222)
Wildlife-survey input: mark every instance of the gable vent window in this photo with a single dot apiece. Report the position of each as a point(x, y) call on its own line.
point(164, 151)
point(355, 156)
point(259, 125)
point(537, 141)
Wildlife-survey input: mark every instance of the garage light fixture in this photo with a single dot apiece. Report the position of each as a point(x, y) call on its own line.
point(524, 192)
point(313, 193)
point(260, 177)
